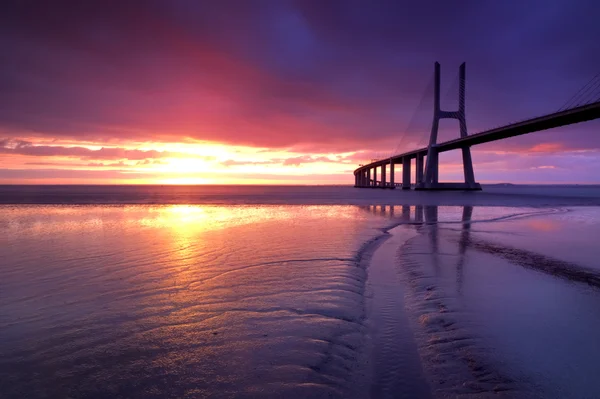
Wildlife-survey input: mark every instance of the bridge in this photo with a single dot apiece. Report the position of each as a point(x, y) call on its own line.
point(427, 158)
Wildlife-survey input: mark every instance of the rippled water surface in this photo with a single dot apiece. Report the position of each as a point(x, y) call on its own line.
point(507, 306)
point(169, 301)
point(143, 301)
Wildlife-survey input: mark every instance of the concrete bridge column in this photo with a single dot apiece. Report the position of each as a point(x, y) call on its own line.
point(355, 180)
point(419, 165)
point(432, 166)
point(392, 184)
point(375, 176)
point(365, 179)
point(406, 173)
point(369, 183)
point(383, 183)
point(468, 166)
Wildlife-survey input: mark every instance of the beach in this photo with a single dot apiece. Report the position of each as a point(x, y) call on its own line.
point(299, 292)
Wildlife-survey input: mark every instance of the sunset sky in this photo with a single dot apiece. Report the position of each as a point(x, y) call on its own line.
point(284, 92)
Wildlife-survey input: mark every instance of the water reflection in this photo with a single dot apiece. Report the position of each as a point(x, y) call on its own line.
point(428, 217)
point(478, 304)
point(181, 300)
point(439, 227)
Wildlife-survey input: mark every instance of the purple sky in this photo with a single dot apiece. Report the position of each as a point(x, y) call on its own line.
point(306, 78)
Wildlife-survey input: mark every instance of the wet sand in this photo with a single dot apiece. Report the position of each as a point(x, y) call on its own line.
point(497, 306)
point(393, 352)
point(349, 301)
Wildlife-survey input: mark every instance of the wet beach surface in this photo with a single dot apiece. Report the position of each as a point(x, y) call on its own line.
point(300, 300)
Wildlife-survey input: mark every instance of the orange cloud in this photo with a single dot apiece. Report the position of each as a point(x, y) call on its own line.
point(548, 147)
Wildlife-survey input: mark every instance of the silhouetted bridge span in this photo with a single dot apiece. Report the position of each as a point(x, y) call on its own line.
point(426, 158)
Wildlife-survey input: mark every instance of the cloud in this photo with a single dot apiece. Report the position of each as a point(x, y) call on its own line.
point(231, 162)
point(22, 147)
point(297, 161)
point(290, 161)
point(344, 75)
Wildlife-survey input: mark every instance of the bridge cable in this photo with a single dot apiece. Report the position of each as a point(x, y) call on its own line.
point(589, 93)
point(425, 97)
point(448, 101)
point(575, 98)
point(425, 105)
point(594, 94)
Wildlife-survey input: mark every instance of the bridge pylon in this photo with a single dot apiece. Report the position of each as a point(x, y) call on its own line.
point(430, 180)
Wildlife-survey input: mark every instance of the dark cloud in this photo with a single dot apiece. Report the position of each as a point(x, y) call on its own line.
point(341, 75)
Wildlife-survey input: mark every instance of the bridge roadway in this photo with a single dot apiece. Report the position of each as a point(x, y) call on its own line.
point(562, 118)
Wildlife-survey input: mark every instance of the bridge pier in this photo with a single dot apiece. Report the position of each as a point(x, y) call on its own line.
point(383, 182)
point(419, 164)
point(375, 177)
point(392, 184)
point(468, 166)
point(431, 180)
point(406, 173)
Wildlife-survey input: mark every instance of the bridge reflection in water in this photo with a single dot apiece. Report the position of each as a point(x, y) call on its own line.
point(414, 214)
point(427, 218)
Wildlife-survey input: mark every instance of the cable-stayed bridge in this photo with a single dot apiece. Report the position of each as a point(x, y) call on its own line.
point(583, 106)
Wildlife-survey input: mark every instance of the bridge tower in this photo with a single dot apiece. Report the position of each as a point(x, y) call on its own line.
point(430, 178)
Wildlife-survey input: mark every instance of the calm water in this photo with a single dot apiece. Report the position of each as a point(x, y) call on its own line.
point(167, 299)
point(497, 195)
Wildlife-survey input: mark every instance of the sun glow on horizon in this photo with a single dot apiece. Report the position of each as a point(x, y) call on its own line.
point(33, 162)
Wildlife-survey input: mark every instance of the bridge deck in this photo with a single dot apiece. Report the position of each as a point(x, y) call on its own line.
point(557, 119)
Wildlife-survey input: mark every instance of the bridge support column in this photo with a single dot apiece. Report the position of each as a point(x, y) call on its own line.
point(375, 176)
point(431, 168)
point(406, 173)
point(355, 180)
point(419, 164)
point(383, 182)
point(369, 182)
point(392, 184)
point(468, 167)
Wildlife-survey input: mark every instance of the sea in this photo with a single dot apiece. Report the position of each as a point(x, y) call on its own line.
point(299, 292)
